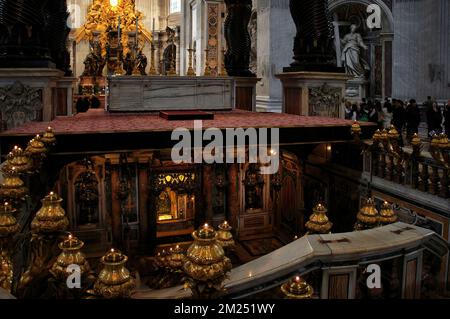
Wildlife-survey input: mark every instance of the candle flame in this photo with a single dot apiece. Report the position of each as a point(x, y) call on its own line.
point(112, 250)
point(297, 279)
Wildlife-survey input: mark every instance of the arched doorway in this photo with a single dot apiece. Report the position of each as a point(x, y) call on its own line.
point(378, 40)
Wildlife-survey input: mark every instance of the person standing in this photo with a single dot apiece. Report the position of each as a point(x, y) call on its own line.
point(348, 110)
point(447, 118)
point(412, 118)
point(399, 118)
point(434, 119)
point(387, 114)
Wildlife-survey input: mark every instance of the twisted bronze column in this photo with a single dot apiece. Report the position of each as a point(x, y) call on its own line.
point(33, 33)
point(313, 45)
point(237, 57)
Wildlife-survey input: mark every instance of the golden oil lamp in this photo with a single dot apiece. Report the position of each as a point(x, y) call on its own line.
point(51, 217)
point(444, 142)
point(8, 223)
point(435, 141)
point(318, 222)
point(297, 288)
point(393, 133)
point(13, 188)
point(48, 138)
point(114, 280)
point(71, 255)
point(36, 146)
point(368, 216)
point(387, 214)
point(8, 228)
point(356, 130)
point(224, 235)
point(206, 263)
point(415, 140)
point(19, 160)
point(377, 136)
point(176, 258)
point(6, 271)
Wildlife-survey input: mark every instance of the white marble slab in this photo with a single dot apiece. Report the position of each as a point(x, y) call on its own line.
point(157, 93)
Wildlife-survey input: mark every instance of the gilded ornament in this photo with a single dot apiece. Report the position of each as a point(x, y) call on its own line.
point(318, 222)
point(114, 280)
point(51, 217)
point(297, 288)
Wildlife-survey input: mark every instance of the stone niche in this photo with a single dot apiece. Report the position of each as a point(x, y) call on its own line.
point(155, 93)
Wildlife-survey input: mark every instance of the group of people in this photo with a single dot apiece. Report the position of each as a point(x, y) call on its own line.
point(87, 102)
point(401, 114)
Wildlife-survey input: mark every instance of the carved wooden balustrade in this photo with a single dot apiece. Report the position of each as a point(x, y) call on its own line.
point(412, 167)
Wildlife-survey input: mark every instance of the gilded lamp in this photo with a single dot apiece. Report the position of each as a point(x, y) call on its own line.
point(19, 160)
point(71, 255)
point(387, 214)
point(297, 288)
point(13, 188)
point(48, 138)
point(8, 228)
point(368, 216)
point(51, 217)
point(114, 280)
point(224, 235)
point(8, 223)
point(206, 263)
point(319, 223)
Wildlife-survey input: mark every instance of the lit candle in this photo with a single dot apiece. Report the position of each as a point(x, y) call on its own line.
point(70, 240)
point(297, 279)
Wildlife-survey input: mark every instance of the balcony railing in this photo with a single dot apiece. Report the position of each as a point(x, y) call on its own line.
point(427, 171)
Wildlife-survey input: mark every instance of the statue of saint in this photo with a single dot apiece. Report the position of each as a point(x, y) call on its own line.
point(141, 62)
point(128, 64)
point(90, 64)
point(351, 53)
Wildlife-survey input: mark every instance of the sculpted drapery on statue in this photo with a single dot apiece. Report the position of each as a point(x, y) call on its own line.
point(351, 53)
point(313, 45)
point(237, 57)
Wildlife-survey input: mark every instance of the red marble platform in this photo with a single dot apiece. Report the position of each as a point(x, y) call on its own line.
point(99, 121)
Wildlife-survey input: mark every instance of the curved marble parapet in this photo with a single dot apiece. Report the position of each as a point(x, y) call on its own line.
point(297, 256)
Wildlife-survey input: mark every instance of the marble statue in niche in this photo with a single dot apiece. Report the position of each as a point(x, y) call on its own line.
point(352, 59)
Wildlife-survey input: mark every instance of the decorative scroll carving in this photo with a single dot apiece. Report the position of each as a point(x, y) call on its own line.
point(325, 101)
point(19, 104)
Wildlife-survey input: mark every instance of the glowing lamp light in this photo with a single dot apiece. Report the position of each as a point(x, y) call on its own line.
point(114, 3)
